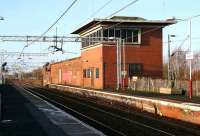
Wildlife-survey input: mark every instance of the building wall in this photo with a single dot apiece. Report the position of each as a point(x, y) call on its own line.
point(72, 72)
point(54, 73)
point(46, 77)
point(92, 58)
point(148, 53)
point(103, 56)
point(67, 72)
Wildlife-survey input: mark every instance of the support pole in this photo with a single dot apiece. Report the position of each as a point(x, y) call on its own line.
point(168, 76)
point(190, 63)
point(118, 63)
point(124, 64)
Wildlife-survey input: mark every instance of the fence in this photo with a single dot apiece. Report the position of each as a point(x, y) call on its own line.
point(153, 85)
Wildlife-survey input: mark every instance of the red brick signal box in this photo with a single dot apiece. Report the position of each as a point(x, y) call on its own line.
point(97, 65)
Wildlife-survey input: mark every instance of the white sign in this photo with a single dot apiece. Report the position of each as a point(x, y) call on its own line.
point(124, 73)
point(134, 78)
point(189, 56)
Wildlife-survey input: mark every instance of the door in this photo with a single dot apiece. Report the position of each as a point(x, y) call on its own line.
point(92, 77)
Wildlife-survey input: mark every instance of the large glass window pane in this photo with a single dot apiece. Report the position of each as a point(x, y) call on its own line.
point(89, 40)
point(88, 73)
point(111, 32)
point(95, 37)
point(83, 42)
point(105, 34)
point(99, 35)
point(135, 36)
point(97, 72)
point(117, 33)
point(135, 69)
point(129, 35)
point(123, 34)
point(92, 38)
point(86, 41)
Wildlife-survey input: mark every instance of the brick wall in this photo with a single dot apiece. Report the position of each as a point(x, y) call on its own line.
point(92, 58)
point(103, 56)
point(148, 53)
point(67, 72)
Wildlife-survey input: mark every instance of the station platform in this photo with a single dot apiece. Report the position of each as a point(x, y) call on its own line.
point(166, 97)
point(175, 107)
point(24, 114)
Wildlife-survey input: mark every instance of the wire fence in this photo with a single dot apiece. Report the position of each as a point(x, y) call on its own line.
point(148, 84)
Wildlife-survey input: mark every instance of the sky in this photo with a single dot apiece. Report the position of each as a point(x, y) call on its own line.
point(33, 17)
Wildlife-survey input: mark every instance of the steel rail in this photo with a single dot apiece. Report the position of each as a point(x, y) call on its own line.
point(112, 115)
point(79, 115)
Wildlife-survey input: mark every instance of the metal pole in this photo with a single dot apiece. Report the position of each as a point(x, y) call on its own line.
point(118, 63)
point(168, 81)
point(124, 65)
point(190, 62)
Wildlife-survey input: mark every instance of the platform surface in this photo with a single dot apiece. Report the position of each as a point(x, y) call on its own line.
point(14, 108)
point(32, 116)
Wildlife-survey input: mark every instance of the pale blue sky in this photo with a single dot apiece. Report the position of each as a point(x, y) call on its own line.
point(32, 17)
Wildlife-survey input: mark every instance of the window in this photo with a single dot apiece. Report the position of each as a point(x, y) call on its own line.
point(91, 39)
point(87, 41)
point(83, 42)
point(84, 73)
point(117, 33)
point(94, 38)
point(88, 73)
point(111, 32)
point(135, 69)
point(105, 34)
point(123, 33)
point(129, 35)
point(136, 36)
point(98, 35)
point(97, 72)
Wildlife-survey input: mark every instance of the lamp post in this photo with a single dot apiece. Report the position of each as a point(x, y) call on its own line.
point(169, 59)
point(190, 55)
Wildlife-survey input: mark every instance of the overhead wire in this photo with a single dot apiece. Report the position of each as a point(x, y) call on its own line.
point(61, 16)
point(96, 12)
point(133, 3)
point(124, 7)
point(121, 9)
point(157, 28)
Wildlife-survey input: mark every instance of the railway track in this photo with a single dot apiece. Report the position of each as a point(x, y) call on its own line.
point(110, 123)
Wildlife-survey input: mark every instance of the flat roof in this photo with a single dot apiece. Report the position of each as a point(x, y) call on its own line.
point(124, 20)
point(66, 60)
